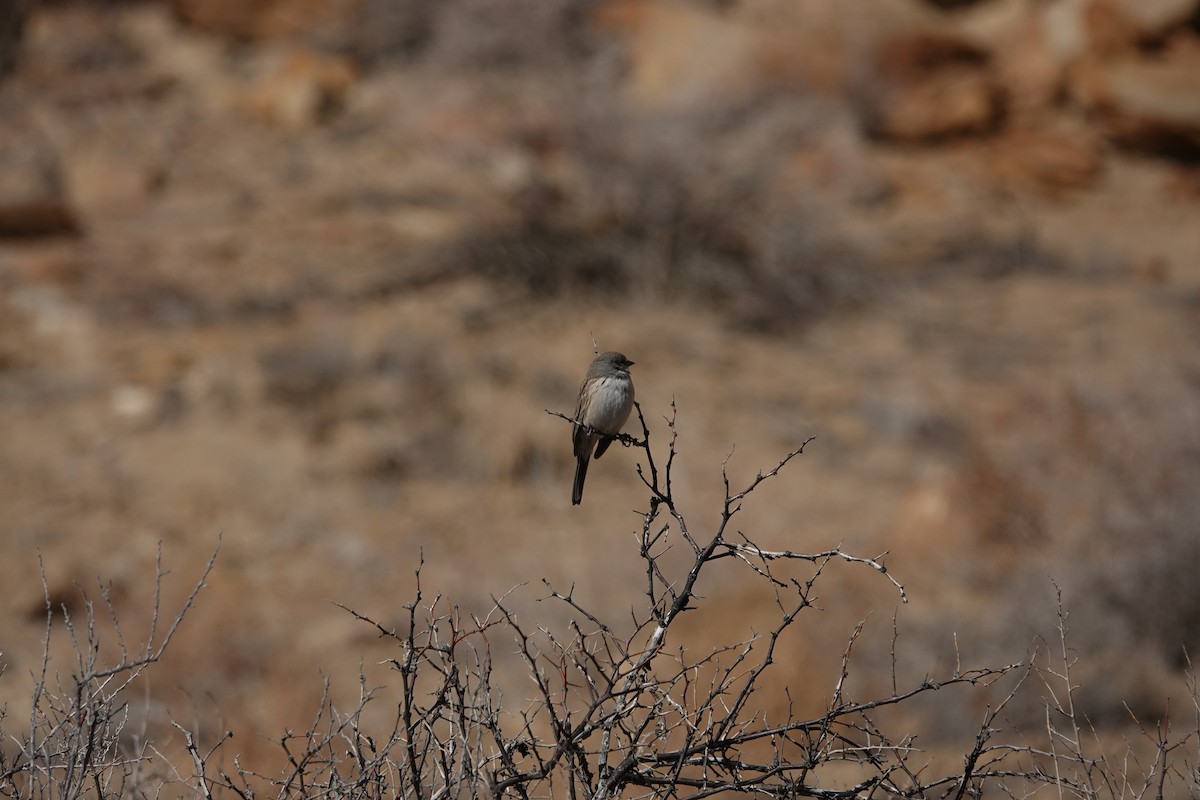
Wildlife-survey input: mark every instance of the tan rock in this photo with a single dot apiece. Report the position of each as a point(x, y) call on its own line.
point(266, 19)
point(32, 199)
point(680, 54)
point(974, 505)
point(106, 181)
point(1050, 162)
point(1184, 185)
point(1148, 104)
point(1030, 67)
point(303, 87)
point(927, 87)
point(1108, 32)
point(1155, 17)
point(1118, 27)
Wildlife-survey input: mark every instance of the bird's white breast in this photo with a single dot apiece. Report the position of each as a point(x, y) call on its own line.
point(609, 404)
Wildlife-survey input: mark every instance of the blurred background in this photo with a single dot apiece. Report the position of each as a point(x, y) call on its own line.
point(307, 274)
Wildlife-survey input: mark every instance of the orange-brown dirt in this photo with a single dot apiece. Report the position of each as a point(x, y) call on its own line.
point(310, 288)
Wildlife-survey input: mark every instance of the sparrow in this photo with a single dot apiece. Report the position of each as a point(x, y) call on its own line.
point(605, 400)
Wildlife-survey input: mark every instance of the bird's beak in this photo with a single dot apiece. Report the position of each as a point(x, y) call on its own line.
point(629, 363)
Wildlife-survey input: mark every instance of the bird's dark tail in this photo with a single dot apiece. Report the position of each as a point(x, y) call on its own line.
point(581, 466)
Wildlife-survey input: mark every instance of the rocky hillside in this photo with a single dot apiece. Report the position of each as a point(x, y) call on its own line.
point(307, 274)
